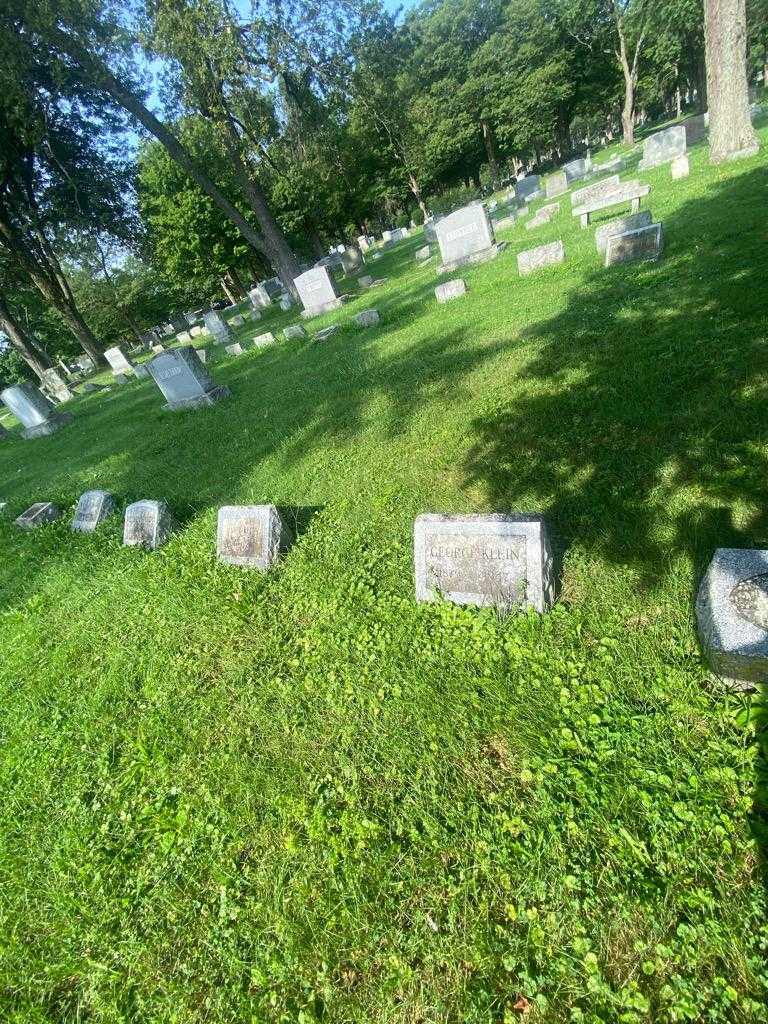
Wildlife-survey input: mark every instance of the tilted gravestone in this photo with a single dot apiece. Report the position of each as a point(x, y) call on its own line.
point(487, 560)
point(422, 254)
point(543, 216)
point(252, 536)
point(263, 339)
point(450, 290)
point(620, 226)
point(147, 524)
point(367, 318)
point(556, 184)
point(118, 360)
point(184, 381)
point(93, 507)
point(317, 292)
point(640, 244)
point(294, 331)
point(541, 256)
point(465, 236)
point(595, 191)
point(577, 169)
point(236, 349)
point(732, 614)
point(55, 385)
point(326, 332)
point(217, 327)
point(39, 514)
point(663, 147)
point(32, 409)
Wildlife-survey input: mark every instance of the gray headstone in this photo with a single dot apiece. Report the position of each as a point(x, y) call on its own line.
point(541, 256)
point(620, 226)
point(55, 385)
point(423, 253)
point(640, 244)
point(367, 318)
point(141, 371)
point(32, 409)
point(121, 378)
point(251, 535)
point(465, 236)
point(235, 349)
point(37, 515)
point(663, 147)
point(326, 332)
point(365, 281)
point(732, 614)
point(294, 331)
point(450, 290)
point(543, 216)
point(148, 524)
point(612, 166)
point(556, 184)
point(696, 128)
point(506, 222)
point(430, 231)
point(263, 339)
point(577, 169)
point(680, 167)
point(184, 381)
point(484, 560)
point(118, 360)
point(92, 509)
point(316, 291)
point(286, 302)
point(237, 321)
point(217, 327)
point(351, 259)
point(527, 186)
point(598, 190)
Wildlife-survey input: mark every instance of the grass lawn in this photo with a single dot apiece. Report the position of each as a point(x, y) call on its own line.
point(304, 798)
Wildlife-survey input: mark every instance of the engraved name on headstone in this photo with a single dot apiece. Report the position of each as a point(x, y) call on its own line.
point(465, 236)
point(251, 535)
point(640, 244)
point(93, 507)
point(184, 381)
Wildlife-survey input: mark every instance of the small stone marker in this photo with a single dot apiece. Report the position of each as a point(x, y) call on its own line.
point(641, 244)
point(486, 560)
point(317, 291)
point(326, 332)
point(202, 354)
point(55, 385)
point(237, 321)
point(620, 226)
point(185, 337)
point(93, 507)
point(732, 614)
point(235, 349)
point(184, 381)
point(122, 378)
point(681, 168)
point(367, 318)
point(286, 302)
point(251, 535)
point(606, 187)
point(294, 331)
point(663, 147)
point(147, 523)
point(577, 169)
point(157, 348)
point(118, 360)
point(217, 327)
point(196, 331)
point(422, 254)
point(263, 339)
point(541, 256)
point(466, 236)
point(543, 216)
point(505, 222)
point(34, 411)
point(450, 290)
point(556, 184)
point(39, 514)
point(365, 281)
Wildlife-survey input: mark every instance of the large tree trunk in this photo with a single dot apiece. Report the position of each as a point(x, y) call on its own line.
point(701, 85)
point(36, 360)
point(731, 135)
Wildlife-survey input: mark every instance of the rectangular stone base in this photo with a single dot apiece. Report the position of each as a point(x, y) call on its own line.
point(200, 401)
point(56, 422)
point(324, 307)
point(477, 257)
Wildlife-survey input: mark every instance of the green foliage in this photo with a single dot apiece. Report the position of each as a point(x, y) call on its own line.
point(417, 216)
point(452, 199)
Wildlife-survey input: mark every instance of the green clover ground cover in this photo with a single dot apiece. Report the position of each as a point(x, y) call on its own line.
point(303, 798)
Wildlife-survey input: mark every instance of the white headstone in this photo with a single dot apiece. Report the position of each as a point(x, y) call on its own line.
point(465, 236)
point(316, 291)
point(37, 515)
point(450, 290)
point(184, 381)
point(663, 147)
point(32, 409)
point(118, 360)
point(541, 256)
point(217, 327)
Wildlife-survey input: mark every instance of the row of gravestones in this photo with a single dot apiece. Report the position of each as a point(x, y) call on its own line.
point(498, 561)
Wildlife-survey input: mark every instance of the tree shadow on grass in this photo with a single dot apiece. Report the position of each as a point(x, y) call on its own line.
point(642, 432)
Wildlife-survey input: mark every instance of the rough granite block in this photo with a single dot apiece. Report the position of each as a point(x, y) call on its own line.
point(251, 535)
point(148, 523)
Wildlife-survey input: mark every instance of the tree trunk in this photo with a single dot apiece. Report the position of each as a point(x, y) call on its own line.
point(36, 360)
point(316, 243)
point(224, 284)
point(414, 187)
point(731, 135)
point(237, 284)
point(701, 85)
point(490, 149)
point(628, 110)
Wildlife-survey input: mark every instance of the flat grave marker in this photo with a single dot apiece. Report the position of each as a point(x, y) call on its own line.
point(261, 340)
point(450, 290)
point(542, 256)
point(367, 318)
point(39, 514)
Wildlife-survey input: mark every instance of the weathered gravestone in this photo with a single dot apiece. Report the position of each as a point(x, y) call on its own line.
point(259, 298)
point(450, 290)
point(663, 147)
point(37, 515)
point(423, 254)
point(598, 190)
point(556, 184)
point(484, 560)
point(157, 348)
point(351, 259)
point(505, 222)
point(577, 169)
point(294, 331)
point(217, 327)
point(367, 318)
point(326, 332)
point(620, 226)
point(317, 292)
point(55, 385)
point(184, 337)
point(543, 216)
point(141, 371)
point(640, 244)
point(237, 321)
point(541, 256)
point(732, 614)
point(430, 231)
point(118, 360)
point(184, 381)
point(147, 524)
point(612, 166)
point(263, 339)
point(236, 349)
point(251, 535)
point(528, 187)
point(364, 242)
point(465, 236)
point(37, 415)
point(680, 167)
point(286, 302)
point(93, 507)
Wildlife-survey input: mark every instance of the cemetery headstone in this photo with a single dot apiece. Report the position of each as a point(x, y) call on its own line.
point(620, 226)
point(680, 167)
point(93, 507)
point(612, 166)
point(663, 147)
point(140, 371)
point(202, 355)
point(556, 184)
point(423, 254)
point(577, 169)
point(317, 292)
point(184, 381)
point(644, 243)
point(505, 222)
point(367, 318)
point(236, 349)
point(541, 256)
point(121, 378)
point(252, 536)
point(259, 298)
point(237, 321)
point(217, 327)
point(365, 281)
point(196, 331)
point(486, 560)
point(294, 331)
point(263, 339)
point(466, 236)
point(34, 411)
point(185, 337)
point(55, 385)
point(450, 290)
point(527, 187)
point(595, 191)
point(147, 524)
point(286, 302)
point(696, 128)
point(543, 216)
point(39, 514)
point(351, 259)
point(326, 332)
point(157, 348)
point(732, 614)
point(430, 231)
